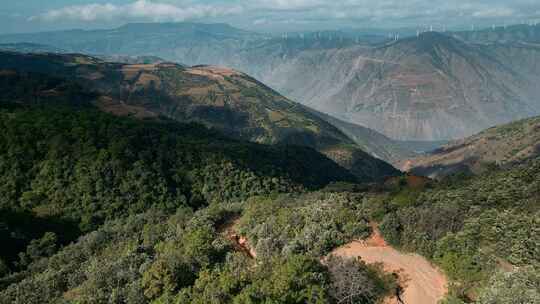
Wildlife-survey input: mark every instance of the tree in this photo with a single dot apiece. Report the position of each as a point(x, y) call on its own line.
point(355, 282)
point(44, 247)
point(518, 286)
point(4, 269)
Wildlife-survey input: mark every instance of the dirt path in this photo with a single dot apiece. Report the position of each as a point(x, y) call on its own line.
point(423, 283)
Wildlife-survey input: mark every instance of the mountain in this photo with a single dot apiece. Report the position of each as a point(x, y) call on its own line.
point(24, 47)
point(504, 145)
point(190, 43)
point(177, 163)
point(427, 88)
point(229, 101)
point(431, 87)
point(193, 43)
point(70, 172)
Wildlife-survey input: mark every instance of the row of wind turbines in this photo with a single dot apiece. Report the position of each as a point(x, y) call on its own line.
point(396, 36)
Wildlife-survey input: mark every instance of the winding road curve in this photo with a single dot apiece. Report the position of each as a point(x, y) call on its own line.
point(422, 283)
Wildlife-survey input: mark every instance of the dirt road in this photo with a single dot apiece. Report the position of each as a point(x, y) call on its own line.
point(423, 283)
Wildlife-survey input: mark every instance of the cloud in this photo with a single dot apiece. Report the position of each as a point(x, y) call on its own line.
point(289, 4)
point(495, 13)
point(139, 10)
point(408, 12)
point(266, 13)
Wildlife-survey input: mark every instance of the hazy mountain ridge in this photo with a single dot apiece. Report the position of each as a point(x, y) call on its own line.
point(522, 33)
point(432, 87)
point(24, 47)
point(186, 39)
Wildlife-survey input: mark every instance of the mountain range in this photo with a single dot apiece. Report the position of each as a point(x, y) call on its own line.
point(431, 87)
point(521, 33)
point(437, 86)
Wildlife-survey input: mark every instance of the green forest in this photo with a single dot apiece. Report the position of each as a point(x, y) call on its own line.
point(104, 209)
point(97, 208)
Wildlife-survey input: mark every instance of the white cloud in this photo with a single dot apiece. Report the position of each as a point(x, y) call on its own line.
point(288, 4)
point(260, 21)
point(140, 9)
point(494, 13)
point(269, 12)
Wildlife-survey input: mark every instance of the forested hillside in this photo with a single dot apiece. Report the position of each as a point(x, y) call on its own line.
point(223, 99)
point(83, 167)
point(106, 209)
point(148, 199)
point(184, 258)
point(484, 231)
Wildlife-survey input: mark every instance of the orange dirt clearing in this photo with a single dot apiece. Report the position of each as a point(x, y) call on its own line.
point(422, 283)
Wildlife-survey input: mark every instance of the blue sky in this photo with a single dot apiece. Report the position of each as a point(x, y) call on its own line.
point(265, 15)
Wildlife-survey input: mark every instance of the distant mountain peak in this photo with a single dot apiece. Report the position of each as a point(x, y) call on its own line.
point(187, 27)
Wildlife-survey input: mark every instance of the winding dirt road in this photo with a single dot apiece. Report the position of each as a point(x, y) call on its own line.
point(422, 283)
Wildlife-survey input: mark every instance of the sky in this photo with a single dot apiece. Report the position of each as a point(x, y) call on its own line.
point(266, 15)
